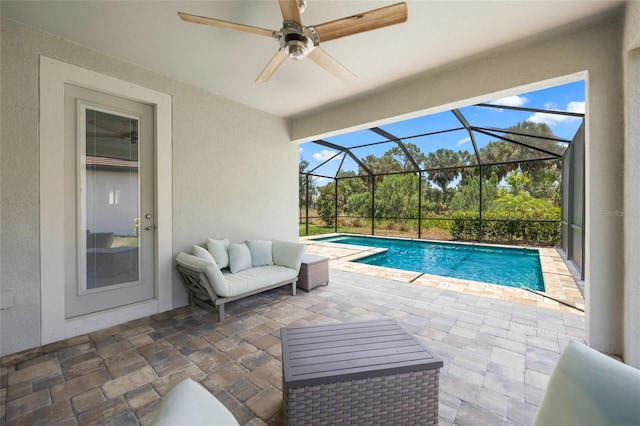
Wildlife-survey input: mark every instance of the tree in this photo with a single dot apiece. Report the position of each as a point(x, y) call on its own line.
point(348, 184)
point(524, 205)
point(467, 198)
point(518, 181)
point(432, 200)
point(327, 204)
point(545, 182)
point(543, 176)
point(381, 165)
point(397, 196)
point(439, 165)
point(359, 204)
point(513, 155)
point(302, 185)
point(518, 198)
point(449, 183)
point(399, 156)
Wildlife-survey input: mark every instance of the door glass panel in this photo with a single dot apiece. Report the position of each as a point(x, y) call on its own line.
point(109, 200)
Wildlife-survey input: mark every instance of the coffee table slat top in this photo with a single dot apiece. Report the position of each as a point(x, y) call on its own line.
point(338, 352)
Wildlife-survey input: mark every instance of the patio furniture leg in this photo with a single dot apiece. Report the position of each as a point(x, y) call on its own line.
point(221, 312)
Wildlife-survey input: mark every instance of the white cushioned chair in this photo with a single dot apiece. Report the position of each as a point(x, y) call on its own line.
point(188, 403)
point(590, 388)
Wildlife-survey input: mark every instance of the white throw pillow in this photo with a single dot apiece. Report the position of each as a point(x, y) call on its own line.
point(219, 249)
point(260, 252)
point(239, 257)
point(210, 269)
point(202, 253)
point(287, 253)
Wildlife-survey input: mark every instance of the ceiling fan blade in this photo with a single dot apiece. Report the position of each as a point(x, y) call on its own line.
point(290, 11)
point(366, 21)
point(326, 61)
point(225, 24)
point(273, 65)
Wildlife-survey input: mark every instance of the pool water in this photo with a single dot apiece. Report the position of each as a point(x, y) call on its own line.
point(511, 267)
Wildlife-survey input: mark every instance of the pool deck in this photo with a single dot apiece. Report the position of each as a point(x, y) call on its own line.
point(561, 290)
point(498, 354)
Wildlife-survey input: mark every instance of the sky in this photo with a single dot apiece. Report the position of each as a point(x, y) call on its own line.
point(567, 97)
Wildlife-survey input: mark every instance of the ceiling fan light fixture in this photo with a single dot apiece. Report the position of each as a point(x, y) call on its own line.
point(297, 50)
point(296, 42)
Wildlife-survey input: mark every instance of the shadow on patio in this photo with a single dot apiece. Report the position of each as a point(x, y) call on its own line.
point(498, 355)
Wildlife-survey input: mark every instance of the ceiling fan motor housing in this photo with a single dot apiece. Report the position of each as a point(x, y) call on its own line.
point(298, 41)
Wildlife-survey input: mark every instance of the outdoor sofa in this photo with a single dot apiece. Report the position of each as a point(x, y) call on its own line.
point(589, 388)
point(188, 403)
point(224, 272)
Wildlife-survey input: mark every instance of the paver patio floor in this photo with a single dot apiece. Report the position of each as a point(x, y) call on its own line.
point(497, 355)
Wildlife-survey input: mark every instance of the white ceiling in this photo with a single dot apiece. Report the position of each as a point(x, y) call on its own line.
point(227, 62)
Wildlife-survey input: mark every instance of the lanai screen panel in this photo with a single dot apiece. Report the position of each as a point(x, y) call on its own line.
point(494, 150)
point(325, 162)
point(444, 150)
point(482, 161)
point(383, 158)
point(422, 125)
point(360, 137)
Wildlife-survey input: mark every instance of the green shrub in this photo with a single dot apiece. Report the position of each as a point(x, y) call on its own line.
point(506, 227)
point(465, 226)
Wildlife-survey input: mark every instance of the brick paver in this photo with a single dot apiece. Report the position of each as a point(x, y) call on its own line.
point(497, 354)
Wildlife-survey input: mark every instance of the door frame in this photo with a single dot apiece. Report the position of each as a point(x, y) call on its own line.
point(53, 76)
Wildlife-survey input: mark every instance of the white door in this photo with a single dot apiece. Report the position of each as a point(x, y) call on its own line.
point(109, 202)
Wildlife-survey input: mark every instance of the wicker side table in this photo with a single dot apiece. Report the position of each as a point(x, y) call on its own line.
point(314, 271)
point(361, 373)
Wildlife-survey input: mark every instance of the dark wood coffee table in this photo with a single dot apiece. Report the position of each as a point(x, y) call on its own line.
point(358, 373)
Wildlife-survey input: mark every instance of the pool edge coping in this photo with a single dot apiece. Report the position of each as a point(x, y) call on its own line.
point(561, 290)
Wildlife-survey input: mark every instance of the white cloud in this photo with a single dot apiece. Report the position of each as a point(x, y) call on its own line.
point(549, 119)
point(555, 119)
point(322, 181)
point(323, 155)
point(301, 149)
point(463, 141)
point(576, 106)
point(514, 101)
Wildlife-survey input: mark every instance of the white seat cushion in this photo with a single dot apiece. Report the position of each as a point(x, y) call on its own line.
point(590, 388)
point(188, 403)
point(258, 277)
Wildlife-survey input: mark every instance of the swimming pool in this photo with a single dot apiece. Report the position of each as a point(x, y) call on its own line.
point(507, 266)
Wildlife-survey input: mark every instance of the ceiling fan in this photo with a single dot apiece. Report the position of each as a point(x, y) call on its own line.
point(297, 41)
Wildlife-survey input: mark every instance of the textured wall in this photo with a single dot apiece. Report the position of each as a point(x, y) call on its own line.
point(593, 53)
point(631, 57)
point(234, 169)
point(19, 223)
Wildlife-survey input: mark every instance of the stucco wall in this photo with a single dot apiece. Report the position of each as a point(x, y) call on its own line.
point(594, 54)
point(631, 58)
point(234, 169)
